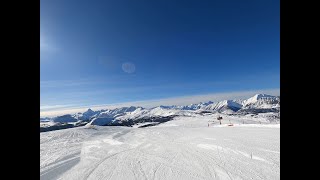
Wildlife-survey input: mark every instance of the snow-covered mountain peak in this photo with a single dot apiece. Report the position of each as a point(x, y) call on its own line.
point(165, 107)
point(195, 106)
point(206, 103)
point(257, 103)
point(261, 96)
point(231, 103)
point(89, 110)
point(224, 106)
point(262, 101)
point(257, 97)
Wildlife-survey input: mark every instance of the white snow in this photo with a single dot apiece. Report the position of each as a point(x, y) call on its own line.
point(184, 148)
point(262, 101)
point(256, 97)
point(157, 111)
point(221, 104)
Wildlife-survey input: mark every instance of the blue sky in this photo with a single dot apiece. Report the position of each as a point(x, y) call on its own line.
point(117, 51)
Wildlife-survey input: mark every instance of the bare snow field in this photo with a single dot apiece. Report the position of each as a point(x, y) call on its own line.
point(184, 148)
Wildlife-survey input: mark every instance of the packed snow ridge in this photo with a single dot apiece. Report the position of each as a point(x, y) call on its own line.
point(261, 105)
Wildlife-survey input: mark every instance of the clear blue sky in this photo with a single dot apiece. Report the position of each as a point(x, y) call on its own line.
point(174, 48)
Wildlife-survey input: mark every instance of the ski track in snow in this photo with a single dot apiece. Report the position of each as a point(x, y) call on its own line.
point(184, 148)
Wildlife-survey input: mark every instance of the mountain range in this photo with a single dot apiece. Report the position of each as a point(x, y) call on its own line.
point(259, 103)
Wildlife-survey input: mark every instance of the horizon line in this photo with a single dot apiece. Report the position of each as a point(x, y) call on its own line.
point(56, 110)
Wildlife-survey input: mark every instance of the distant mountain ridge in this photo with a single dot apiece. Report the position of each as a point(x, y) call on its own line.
point(259, 103)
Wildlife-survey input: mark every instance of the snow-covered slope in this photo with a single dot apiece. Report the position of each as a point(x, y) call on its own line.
point(184, 148)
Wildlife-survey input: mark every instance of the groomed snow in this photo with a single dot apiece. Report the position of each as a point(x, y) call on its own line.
point(184, 148)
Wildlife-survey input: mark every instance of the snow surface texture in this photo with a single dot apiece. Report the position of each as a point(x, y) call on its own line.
point(183, 148)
